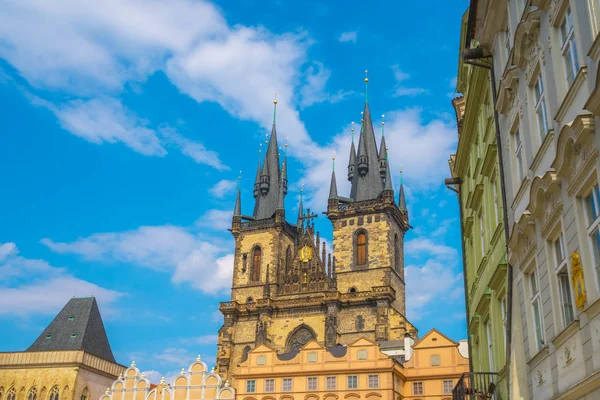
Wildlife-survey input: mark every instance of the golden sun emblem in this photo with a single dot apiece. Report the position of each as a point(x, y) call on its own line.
point(305, 253)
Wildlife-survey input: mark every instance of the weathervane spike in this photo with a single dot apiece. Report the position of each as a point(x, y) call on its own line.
point(274, 108)
point(366, 86)
point(382, 125)
point(333, 162)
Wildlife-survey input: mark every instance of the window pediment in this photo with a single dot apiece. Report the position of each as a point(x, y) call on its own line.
point(522, 239)
point(507, 94)
point(545, 202)
point(526, 48)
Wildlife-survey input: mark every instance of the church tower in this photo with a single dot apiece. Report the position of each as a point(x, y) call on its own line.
point(287, 290)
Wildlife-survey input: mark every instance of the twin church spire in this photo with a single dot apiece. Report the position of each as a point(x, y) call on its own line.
point(368, 171)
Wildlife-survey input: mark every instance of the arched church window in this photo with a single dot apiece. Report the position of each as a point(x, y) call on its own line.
point(288, 259)
point(299, 337)
point(54, 394)
point(396, 253)
point(360, 323)
point(361, 248)
point(245, 353)
point(85, 394)
point(12, 394)
point(256, 260)
point(32, 395)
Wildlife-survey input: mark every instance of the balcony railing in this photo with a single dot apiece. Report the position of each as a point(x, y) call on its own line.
point(475, 386)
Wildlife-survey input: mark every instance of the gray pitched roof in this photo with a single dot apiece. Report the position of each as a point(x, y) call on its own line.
point(237, 210)
point(401, 199)
point(266, 204)
point(78, 326)
point(371, 185)
point(333, 187)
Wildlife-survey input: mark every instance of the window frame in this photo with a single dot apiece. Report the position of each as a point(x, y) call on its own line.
point(561, 269)
point(373, 381)
point(444, 382)
point(256, 269)
point(312, 383)
point(536, 305)
point(328, 383)
point(284, 384)
point(250, 385)
point(568, 45)
point(352, 382)
point(494, 183)
point(361, 248)
point(539, 107)
point(591, 205)
point(269, 385)
point(490, 343)
point(518, 151)
point(419, 385)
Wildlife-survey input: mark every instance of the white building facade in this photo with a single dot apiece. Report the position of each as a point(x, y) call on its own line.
point(545, 61)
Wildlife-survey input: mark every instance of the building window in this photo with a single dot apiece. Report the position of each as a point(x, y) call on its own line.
point(362, 354)
point(504, 310)
point(287, 384)
point(84, 395)
point(417, 388)
point(482, 235)
point(488, 332)
point(448, 386)
point(518, 146)
point(54, 394)
point(251, 386)
point(331, 383)
point(32, 395)
point(536, 308)
point(592, 204)
point(373, 381)
point(434, 360)
point(360, 323)
point(288, 259)
point(269, 385)
point(311, 383)
point(496, 205)
point(256, 260)
point(261, 360)
point(361, 248)
point(11, 395)
point(353, 382)
point(569, 47)
point(312, 357)
point(564, 284)
point(540, 107)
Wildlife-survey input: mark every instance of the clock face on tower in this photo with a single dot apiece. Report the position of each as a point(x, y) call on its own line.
point(305, 253)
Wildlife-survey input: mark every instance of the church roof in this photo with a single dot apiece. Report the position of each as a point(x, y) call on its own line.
point(78, 326)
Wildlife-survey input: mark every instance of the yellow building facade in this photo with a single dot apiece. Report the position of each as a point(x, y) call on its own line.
point(71, 360)
point(356, 371)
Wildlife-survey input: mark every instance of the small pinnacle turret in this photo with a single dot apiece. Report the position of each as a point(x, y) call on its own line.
point(237, 210)
point(401, 198)
point(333, 186)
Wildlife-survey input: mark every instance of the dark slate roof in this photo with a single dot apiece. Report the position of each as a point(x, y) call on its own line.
point(290, 355)
point(391, 344)
point(401, 199)
point(370, 186)
point(333, 187)
point(337, 351)
point(266, 205)
point(78, 326)
point(237, 210)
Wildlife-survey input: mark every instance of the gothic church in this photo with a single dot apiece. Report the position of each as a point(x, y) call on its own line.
point(287, 290)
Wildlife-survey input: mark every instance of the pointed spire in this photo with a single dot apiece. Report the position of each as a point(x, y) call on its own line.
point(333, 187)
point(275, 108)
point(388, 178)
point(382, 145)
point(352, 159)
point(280, 201)
point(237, 211)
point(401, 197)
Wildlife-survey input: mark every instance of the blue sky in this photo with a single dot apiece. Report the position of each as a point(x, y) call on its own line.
point(126, 123)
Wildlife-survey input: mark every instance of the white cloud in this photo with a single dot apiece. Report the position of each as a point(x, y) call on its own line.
point(349, 36)
point(427, 246)
point(96, 50)
point(195, 150)
point(409, 141)
point(203, 340)
point(400, 89)
point(221, 188)
point(47, 289)
point(425, 284)
point(166, 248)
point(313, 92)
point(216, 219)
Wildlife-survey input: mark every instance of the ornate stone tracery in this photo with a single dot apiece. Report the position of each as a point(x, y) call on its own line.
point(299, 337)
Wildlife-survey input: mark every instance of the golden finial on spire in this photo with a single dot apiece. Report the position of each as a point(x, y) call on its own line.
point(275, 99)
point(382, 117)
point(366, 75)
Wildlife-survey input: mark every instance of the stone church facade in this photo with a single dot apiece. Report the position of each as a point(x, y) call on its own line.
point(287, 290)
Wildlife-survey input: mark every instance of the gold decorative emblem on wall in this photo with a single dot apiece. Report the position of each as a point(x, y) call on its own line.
point(577, 281)
point(305, 253)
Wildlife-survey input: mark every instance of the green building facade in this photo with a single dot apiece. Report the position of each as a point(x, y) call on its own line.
point(475, 165)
